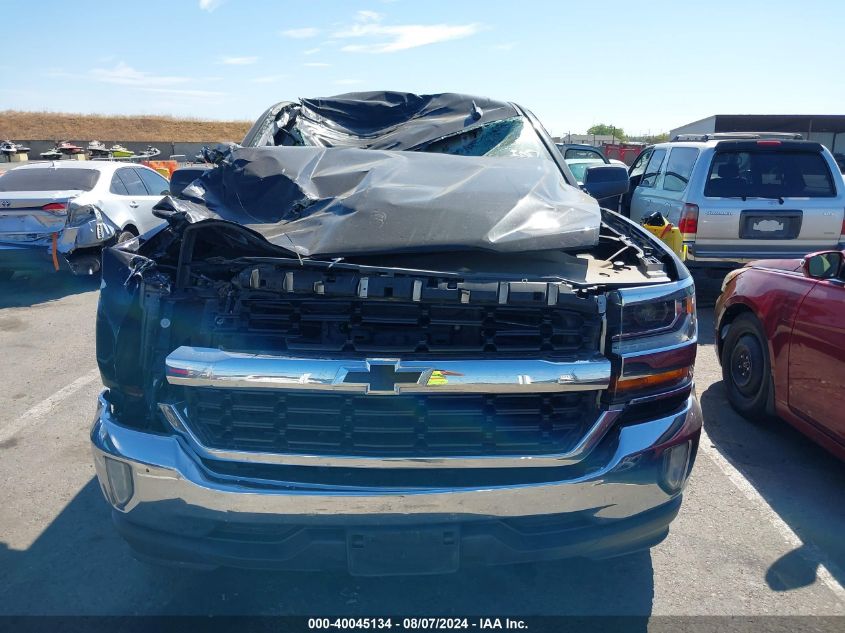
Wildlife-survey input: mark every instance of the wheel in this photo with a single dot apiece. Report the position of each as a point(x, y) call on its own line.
point(6, 275)
point(125, 236)
point(746, 368)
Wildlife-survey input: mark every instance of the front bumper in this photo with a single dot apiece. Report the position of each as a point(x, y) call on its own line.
point(182, 511)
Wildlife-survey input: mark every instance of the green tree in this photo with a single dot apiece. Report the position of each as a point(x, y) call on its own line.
point(604, 129)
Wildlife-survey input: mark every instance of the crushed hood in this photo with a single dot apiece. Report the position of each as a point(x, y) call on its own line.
point(333, 177)
point(347, 201)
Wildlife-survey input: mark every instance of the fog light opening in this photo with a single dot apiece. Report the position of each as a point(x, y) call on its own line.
point(120, 482)
point(675, 463)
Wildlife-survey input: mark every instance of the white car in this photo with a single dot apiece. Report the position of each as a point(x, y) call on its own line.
point(60, 214)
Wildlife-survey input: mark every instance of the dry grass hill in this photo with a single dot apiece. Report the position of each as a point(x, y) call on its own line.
point(17, 125)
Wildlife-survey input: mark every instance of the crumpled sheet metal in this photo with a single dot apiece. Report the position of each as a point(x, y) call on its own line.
point(393, 120)
point(90, 230)
point(347, 201)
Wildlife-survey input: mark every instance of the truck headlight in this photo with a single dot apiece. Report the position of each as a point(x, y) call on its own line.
point(650, 321)
point(653, 334)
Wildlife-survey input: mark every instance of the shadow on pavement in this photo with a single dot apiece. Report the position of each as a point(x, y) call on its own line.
point(801, 482)
point(79, 565)
point(27, 289)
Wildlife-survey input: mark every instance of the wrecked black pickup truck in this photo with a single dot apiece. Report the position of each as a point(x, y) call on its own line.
point(390, 334)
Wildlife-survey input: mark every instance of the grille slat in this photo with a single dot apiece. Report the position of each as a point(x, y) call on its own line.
point(392, 326)
point(402, 425)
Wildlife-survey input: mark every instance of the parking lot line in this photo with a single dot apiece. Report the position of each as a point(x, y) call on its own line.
point(39, 411)
point(807, 550)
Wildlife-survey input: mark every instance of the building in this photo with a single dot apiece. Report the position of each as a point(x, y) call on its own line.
point(827, 129)
point(596, 140)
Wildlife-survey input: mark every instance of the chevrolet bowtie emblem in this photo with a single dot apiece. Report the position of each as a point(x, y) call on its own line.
point(383, 377)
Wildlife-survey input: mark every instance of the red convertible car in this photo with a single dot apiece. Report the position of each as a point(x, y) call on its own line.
point(780, 333)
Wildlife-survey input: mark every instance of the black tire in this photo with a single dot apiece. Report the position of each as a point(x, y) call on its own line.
point(6, 275)
point(125, 236)
point(746, 368)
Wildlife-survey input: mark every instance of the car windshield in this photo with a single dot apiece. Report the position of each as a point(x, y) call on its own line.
point(769, 174)
point(49, 179)
point(507, 138)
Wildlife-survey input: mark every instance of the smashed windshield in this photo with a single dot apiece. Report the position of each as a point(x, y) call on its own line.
point(507, 138)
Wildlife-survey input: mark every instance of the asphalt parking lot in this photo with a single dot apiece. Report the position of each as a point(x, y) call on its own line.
point(760, 532)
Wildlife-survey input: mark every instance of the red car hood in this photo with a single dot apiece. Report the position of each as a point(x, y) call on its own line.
point(777, 264)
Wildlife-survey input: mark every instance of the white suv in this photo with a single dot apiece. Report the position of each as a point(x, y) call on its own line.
point(739, 197)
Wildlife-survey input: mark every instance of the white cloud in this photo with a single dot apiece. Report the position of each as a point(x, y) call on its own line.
point(504, 46)
point(268, 79)
point(316, 64)
point(301, 34)
point(238, 61)
point(210, 5)
point(124, 75)
point(186, 92)
point(369, 16)
point(311, 51)
point(392, 38)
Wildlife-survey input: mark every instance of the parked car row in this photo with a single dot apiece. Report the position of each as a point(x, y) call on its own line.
point(777, 204)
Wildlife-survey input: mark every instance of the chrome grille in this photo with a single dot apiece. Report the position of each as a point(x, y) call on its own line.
point(359, 425)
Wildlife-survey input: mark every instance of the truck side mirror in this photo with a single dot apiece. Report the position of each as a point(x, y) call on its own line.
point(605, 181)
point(824, 265)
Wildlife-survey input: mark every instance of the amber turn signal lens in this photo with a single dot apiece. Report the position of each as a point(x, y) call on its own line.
point(652, 381)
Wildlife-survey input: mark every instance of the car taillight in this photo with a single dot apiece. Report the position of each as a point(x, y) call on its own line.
point(688, 226)
point(768, 142)
point(56, 208)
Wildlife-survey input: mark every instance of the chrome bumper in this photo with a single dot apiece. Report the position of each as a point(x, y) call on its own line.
point(174, 490)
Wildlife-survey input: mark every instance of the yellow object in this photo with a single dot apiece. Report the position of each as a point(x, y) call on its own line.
point(670, 235)
point(18, 158)
point(437, 378)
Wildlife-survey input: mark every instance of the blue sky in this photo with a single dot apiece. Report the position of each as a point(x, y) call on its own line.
point(644, 66)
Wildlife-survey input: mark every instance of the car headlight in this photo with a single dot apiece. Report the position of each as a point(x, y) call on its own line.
point(729, 276)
